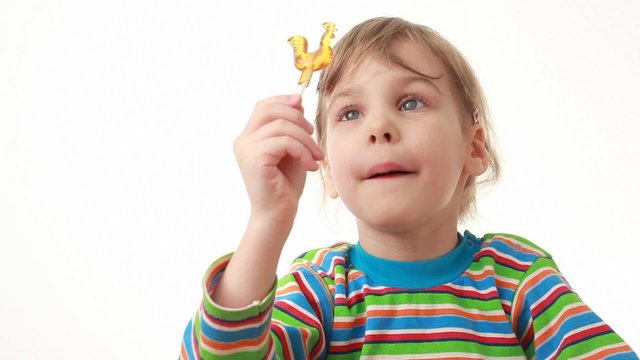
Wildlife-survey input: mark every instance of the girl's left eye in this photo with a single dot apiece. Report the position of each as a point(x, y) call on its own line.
point(412, 104)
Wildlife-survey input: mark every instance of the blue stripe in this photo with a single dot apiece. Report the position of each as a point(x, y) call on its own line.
point(570, 324)
point(436, 322)
point(251, 332)
point(187, 339)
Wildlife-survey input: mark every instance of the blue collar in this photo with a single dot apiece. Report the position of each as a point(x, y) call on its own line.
point(417, 274)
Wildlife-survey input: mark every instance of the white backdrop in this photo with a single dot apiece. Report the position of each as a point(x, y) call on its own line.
point(118, 185)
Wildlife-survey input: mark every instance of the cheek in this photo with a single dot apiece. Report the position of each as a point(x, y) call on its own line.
point(440, 147)
point(340, 156)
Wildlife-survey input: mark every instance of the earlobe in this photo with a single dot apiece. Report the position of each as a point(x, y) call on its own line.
point(478, 158)
point(327, 177)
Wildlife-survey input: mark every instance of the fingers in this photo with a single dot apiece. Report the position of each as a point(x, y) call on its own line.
point(277, 129)
point(279, 147)
point(278, 107)
point(281, 127)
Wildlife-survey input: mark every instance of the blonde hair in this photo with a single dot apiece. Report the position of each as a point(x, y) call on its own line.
point(375, 37)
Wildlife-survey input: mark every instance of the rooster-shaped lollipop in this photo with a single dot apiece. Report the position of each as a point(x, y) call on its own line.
point(310, 62)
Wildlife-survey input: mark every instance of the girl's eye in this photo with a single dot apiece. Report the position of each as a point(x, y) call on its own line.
point(412, 104)
point(350, 115)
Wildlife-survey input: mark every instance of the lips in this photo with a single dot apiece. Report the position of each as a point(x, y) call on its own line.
point(387, 169)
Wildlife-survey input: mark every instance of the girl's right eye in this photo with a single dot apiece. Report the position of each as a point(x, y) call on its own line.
point(349, 114)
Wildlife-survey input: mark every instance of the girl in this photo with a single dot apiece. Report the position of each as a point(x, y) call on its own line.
point(402, 136)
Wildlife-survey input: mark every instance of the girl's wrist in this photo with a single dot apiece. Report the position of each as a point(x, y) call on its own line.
point(272, 227)
point(273, 218)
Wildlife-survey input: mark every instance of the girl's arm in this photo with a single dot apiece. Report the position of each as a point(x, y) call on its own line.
point(274, 152)
point(292, 324)
point(552, 322)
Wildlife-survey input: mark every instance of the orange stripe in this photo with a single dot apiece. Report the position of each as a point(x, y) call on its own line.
point(601, 354)
point(553, 329)
point(234, 345)
point(489, 272)
point(216, 270)
point(482, 275)
point(515, 313)
point(288, 290)
point(304, 334)
point(506, 284)
point(434, 312)
point(350, 324)
point(416, 312)
point(183, 353)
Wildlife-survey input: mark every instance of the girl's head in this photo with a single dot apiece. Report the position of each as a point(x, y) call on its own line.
point(394, 44)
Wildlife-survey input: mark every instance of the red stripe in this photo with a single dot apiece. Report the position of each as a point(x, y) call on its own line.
point(470, 293)
point(293, 311)
point(309, 295)
point(549, 299)
point(506, 308)
point(352, 300)
point(475, 294)
point(256, 320)
point(334, 263)
point(583, 335)
point(280, 334)
point(443, 289)
point(346, 348)
point(527, 338)
point(500, 259)
point(443, 336)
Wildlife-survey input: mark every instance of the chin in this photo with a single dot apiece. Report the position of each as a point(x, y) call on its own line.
point(396, 215)
point(391, 219)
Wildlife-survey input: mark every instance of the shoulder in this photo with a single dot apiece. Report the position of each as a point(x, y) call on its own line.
point(511, 256)
point(324, 261)
point(511, 259)
point(509, 250)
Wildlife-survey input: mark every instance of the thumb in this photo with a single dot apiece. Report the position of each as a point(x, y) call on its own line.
point(295, 101)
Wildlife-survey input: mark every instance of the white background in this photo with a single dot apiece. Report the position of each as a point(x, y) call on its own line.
point(118, 185)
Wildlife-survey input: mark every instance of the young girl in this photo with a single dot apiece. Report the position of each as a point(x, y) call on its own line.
point(402, 136)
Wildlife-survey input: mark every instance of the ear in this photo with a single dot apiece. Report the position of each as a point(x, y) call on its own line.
point(327, 177)
point(478, 157)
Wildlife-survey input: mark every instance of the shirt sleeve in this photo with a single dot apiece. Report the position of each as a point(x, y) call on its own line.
point(287, 324)
point(552, 322)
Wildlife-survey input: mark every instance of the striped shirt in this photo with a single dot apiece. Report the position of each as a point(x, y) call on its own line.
point(499, 296)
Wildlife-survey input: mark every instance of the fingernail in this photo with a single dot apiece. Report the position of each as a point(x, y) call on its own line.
point(294, 99)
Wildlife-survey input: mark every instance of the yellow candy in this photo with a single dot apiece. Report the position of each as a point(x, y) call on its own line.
point(310, 62)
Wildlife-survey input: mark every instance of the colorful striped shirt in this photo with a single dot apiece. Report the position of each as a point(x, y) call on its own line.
point(500, 296)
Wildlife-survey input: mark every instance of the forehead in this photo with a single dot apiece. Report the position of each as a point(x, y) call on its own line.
point(408, 56)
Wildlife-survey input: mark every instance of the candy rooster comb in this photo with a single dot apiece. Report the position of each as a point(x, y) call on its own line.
point(310, 62)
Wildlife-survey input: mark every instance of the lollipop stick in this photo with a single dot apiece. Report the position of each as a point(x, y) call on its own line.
point(300, 89)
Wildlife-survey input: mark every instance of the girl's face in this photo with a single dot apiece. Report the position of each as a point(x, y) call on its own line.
point(398, 153)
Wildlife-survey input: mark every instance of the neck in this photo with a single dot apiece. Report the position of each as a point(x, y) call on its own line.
point(429, 241)
point(420, 240)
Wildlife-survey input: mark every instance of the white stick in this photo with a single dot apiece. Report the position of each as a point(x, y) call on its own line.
point(300, 89)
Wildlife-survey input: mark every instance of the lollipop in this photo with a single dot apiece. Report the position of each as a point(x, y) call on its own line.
point(310, 62)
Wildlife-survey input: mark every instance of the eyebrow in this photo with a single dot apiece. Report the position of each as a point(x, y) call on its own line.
point(424, 78)
point(418, 77)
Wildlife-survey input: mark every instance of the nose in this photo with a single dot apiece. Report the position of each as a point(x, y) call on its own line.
point(382, 131)
point(381, 137)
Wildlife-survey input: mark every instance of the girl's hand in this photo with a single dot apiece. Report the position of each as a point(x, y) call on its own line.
point(274, 152)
